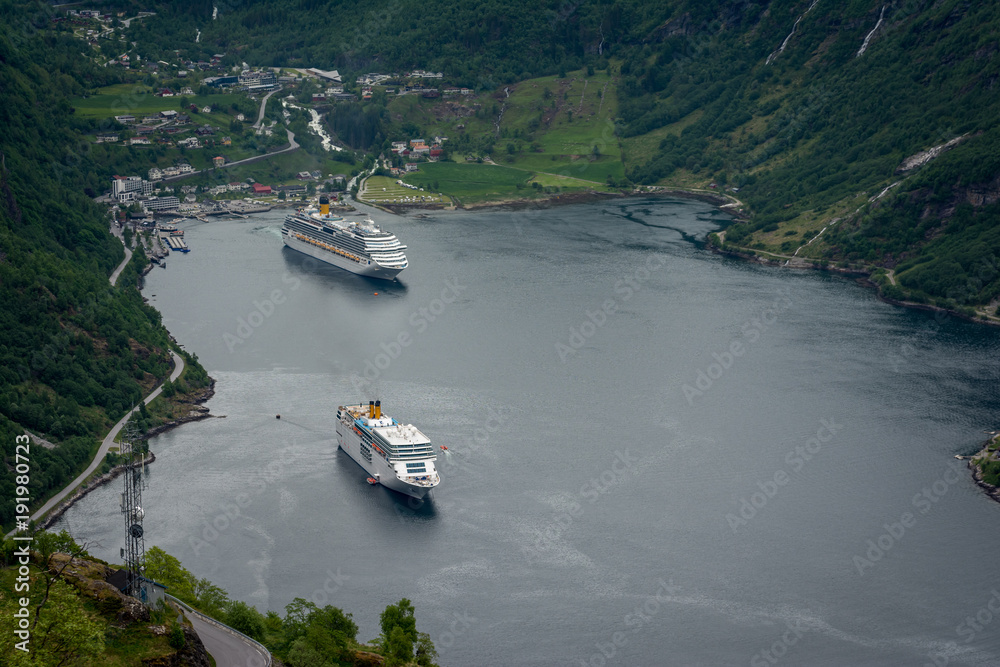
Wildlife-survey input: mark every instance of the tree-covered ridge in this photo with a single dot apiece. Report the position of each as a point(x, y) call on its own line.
point(75, 352)
point(940, 230)
point(76, 620)
point(812, 133)
point(477, 43)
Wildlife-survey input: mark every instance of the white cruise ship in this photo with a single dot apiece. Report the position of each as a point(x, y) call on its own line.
point(359, 247)
point(396, 455)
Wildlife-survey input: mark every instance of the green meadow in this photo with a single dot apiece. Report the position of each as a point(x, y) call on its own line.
point(385, 190)
point(139, 100)
point(472, 183)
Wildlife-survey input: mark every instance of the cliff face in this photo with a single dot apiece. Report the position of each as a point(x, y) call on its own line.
point(89, 578)
point(192, 655)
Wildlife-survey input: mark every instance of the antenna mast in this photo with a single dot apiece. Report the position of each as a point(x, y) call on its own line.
point(134, 553)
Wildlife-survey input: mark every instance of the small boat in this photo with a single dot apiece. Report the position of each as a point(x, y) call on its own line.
point(444, 448)
point(372, 481)
point(277, 416)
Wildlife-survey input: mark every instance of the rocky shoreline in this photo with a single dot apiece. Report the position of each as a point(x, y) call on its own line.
point(719, 200)
point(977, 473)
point(196, 413)
point(55, 514)
point(863, 276)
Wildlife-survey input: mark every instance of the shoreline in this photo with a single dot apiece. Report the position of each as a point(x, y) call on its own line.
point(197, 413)
point(864, 275)
point(115, 472)
point(726, 204)
point(990, 490)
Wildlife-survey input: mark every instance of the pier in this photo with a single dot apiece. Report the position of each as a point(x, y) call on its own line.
point(176, 243)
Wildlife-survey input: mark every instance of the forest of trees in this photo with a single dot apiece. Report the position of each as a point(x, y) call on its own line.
point(75, 352)
point(72, 630)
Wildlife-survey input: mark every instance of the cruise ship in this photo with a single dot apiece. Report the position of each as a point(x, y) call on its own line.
point(396, 455)
point(359, 247)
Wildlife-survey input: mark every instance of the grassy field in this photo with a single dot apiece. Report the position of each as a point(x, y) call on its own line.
point(385, 190)
point(139, 100)
point(277, 170)
point(472, 183)
point(562, 126)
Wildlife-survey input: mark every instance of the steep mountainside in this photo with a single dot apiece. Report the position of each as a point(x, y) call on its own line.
point(807, 108)
point(75, 352)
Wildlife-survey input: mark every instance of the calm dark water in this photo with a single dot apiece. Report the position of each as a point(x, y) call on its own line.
point(657, 456)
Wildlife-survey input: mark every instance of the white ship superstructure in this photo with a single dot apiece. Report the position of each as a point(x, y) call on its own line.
point(396, 455)
point(359, 247)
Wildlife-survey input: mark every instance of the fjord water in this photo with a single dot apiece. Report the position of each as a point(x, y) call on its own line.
point(592, 510)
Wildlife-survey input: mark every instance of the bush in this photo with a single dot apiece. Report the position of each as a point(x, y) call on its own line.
point(176, 639)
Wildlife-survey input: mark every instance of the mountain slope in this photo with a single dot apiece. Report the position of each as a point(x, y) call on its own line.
point(75, 352)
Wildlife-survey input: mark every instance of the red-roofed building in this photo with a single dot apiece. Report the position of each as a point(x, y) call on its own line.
point(259, 189)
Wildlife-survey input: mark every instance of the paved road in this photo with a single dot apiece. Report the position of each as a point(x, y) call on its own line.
point(292, 146)
point(228, 649)
point(105, 446)
point(117, 231)
point(263, 107)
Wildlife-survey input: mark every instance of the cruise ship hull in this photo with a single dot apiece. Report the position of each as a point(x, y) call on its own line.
point(369, 268)
point(378, 468)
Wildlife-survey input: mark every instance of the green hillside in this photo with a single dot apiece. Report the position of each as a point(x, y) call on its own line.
point(77, 619)
point(75, 352)
point(803, 110)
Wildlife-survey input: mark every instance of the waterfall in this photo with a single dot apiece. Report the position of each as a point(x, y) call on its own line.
point(794, 26)
point(868, 37)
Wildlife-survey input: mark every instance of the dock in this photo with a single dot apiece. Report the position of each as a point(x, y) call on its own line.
point(177, 243)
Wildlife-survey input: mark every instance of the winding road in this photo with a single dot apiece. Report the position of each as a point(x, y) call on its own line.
point(117, 231)
point(292, 146)
point(263, 107)
point(228, 648)
point(106, 444)
point(109, 439)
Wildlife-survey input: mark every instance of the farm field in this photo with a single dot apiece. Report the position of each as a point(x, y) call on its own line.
point(139, 100)
point(472, 183)
point(385, 190)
